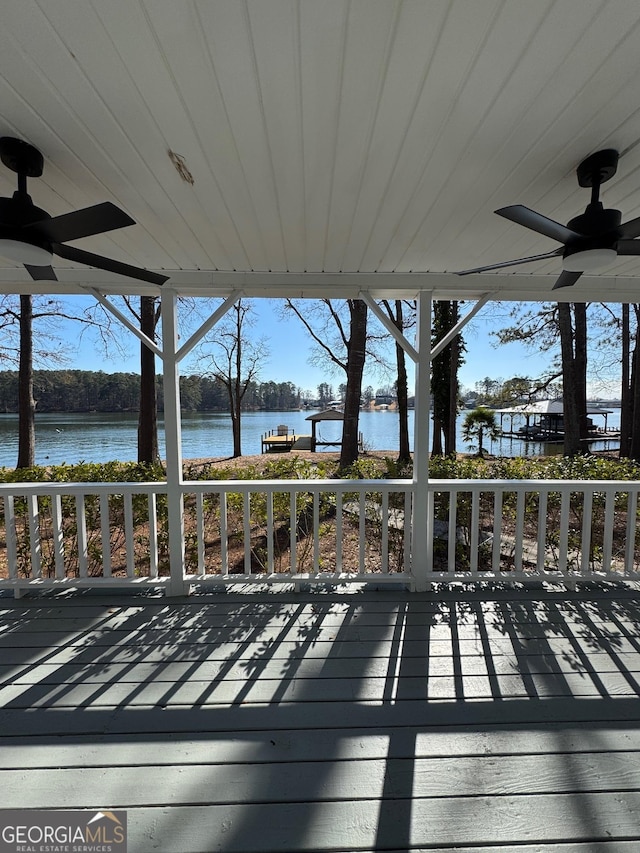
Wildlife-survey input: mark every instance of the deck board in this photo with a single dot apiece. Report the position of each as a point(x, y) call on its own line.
point(484, 720)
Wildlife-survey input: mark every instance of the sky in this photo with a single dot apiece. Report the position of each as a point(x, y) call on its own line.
point(290, 352)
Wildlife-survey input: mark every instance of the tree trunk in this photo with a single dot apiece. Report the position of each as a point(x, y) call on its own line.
point(444, 377)
point(436, 441)
point(236, 422)
point(236, 384)
point(148, 416)
point(580, 360)
point(355, 368)
point(634, 447)
point(572, 445)
point(26, 403)
point(452, 413)
point(626, 399)
point(404, 449)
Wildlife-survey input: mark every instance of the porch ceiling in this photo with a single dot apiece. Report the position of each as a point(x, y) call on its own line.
point(291, 147)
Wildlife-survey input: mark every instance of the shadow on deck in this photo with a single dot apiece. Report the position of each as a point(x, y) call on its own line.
point(486, 719)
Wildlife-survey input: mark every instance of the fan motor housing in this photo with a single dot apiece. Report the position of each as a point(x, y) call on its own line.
point(19, 211)
point(596, 220)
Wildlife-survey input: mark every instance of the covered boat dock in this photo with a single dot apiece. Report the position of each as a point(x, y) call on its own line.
point(544, 421)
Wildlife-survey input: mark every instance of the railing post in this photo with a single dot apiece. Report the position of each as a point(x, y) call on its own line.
point(173, 441)
point(421, 523)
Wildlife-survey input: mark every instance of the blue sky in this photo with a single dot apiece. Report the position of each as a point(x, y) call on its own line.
point(289, 358)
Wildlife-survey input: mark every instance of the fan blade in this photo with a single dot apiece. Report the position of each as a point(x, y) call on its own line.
point(630, 229)
point(552, 254)
point(522, 215)
point(81, 223)
point(628, 247)
point(41, 273)
point(91, 260)
point(566, 279)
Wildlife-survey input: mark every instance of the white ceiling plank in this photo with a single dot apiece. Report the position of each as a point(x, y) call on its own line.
point(228, 32)
point(369, 37)
point(126, 123)
point(323, 32)
point(400, 94)
point(150, 67)
point(276, 45)
point(219, 177)
point(460, 40)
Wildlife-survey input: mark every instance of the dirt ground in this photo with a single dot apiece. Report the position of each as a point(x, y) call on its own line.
point(261, 460)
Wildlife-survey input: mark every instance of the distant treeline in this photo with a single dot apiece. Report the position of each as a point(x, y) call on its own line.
point(95, 391)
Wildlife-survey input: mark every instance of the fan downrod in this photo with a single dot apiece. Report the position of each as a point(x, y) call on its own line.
point(598, 168)
point(21, 157)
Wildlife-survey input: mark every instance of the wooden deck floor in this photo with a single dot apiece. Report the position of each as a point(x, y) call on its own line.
point(474, 721)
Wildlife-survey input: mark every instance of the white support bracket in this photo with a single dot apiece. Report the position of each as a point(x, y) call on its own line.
point(410, 350)
point(389, 326)
point(217, 315)
point(459, 326)
point(111, 308)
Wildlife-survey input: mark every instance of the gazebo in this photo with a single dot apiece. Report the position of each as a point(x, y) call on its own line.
point(317, 418)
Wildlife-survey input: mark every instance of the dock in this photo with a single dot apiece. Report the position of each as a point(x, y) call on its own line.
point(273, 442)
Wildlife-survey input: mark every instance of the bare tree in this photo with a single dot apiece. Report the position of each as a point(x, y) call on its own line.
point(339, 330)
point(17, 319)
point(235, 358)
point(148, 414)
point(397, 317)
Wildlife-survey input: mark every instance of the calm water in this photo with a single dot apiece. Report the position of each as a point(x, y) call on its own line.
point(105, 437)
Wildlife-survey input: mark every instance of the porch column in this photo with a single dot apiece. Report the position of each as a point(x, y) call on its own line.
point(421, 528)
point(173, 440)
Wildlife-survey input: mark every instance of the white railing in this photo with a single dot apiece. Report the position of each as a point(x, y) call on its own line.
point(283, 530)
point(81, 534)
point(525, 529)
point(318, 531)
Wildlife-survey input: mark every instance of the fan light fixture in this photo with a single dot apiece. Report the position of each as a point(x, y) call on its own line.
point(589, 260)
point(25, 253)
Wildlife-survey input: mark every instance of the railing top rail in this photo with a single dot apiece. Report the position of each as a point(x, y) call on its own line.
point(532, 485)
point(300, 485)
point(331, 485)
point(73, 488)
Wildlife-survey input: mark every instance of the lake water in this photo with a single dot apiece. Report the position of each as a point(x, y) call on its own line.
point(97, 437)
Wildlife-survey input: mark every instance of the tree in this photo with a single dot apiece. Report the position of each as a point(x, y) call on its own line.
point(234, 358)
point(368, 396)
point(47, 312)
point(147, 313)
point(325, 393)
point(148, 414)
point(26, 403)
point(572, 324)
point(397, 317)
point(633, 396)
point(619, 323)
point(339, 330)
point(477, 424)
point(444, 377)
point(566, 324)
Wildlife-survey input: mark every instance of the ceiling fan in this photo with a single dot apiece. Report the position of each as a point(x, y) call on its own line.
point(591, 241)
point(30, 236)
